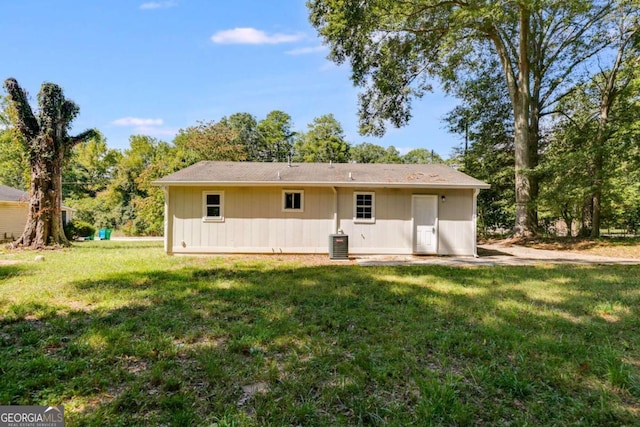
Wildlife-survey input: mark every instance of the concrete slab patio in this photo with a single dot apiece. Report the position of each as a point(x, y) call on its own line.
point(497, 254)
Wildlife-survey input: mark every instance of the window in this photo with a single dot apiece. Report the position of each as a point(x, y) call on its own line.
point(364, 207)
point(213, 206)
point(292, 200)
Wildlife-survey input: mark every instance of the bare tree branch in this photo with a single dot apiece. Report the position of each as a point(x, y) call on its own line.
point(27, 123)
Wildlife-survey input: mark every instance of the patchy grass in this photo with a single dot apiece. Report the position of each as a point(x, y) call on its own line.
point(123, 335)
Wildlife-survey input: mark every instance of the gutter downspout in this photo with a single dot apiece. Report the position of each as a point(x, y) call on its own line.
point(476, 191)
point(336, 222)
point(168, 224)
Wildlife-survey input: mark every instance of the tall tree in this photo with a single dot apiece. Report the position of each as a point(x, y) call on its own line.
point(90, 168)
point(245, 126)
point(563, 171)
point(47, 143)
point(394, 47)
point(421, 155)
point(591, 148)
point(130, 183)
point(611, 83)
point(142, 152)
point(209, 141)
point(324, 142)
point(391, 155)
point(275, 137)
point(367, 152)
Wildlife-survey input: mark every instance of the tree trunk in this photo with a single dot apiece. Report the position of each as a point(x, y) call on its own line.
point(526, 184)
point(596, 203)
point(586, 222)
point(44, 221)
point(525, 215)
point(568, 221)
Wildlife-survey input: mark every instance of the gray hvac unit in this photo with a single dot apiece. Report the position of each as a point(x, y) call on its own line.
point(338, 246)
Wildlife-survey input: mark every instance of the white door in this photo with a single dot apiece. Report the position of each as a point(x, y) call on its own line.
point(425, 224)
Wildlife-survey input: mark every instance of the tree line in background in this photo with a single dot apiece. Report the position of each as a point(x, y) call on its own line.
point(112, 189)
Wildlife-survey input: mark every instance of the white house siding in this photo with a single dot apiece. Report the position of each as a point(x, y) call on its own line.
point(392, 232)
point(254, 221)
point(456, 228)
point(13, 217)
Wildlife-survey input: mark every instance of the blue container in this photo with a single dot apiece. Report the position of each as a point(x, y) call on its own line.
point(104, 234)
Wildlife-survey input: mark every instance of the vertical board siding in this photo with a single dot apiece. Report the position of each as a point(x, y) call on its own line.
point(392, 231)
point(13, 217)
point(254, 221)
point(456, 232)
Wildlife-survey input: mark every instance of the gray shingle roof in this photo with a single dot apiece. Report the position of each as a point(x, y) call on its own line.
point(8, 194)
point(321, 174)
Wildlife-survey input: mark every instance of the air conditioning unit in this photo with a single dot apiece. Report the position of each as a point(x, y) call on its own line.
point(338, 246)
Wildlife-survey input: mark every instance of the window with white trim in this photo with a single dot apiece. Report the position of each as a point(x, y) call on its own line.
point(364, 207)
point(213, 206)
point(293, 200)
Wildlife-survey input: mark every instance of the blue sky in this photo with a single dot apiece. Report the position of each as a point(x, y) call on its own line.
point(154, 67)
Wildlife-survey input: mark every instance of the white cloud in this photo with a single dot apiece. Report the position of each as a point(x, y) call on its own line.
point(151, 127)
point(135, 121)
point(253, 36)
point(306, 50)
point(158, 5)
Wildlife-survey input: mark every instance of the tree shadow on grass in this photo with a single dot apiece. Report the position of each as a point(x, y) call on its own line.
point(485, 252)
point(10, 270)
point(337, 345)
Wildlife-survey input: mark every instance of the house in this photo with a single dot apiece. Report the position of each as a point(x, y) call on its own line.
point(245, 207)
point(14, 210)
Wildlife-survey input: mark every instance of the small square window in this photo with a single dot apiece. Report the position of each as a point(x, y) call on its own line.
point(213, 206)
point(292, 200)
point(363, 210)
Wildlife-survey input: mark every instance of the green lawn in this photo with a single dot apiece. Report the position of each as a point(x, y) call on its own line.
point(122, 334)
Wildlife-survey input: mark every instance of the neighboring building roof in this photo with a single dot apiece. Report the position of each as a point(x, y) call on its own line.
point(321, 174)
point(8, 194)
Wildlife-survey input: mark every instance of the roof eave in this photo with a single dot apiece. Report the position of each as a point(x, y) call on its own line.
point(352, 183)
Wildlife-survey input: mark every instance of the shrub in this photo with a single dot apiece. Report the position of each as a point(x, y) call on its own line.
point(75, 229)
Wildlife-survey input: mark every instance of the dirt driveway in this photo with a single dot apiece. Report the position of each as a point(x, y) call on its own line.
point(498, 254)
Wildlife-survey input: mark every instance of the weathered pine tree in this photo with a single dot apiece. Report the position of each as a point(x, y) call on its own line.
point(46, 140)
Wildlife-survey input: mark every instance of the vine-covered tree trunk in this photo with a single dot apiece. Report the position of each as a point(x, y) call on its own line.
point(47, 143)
